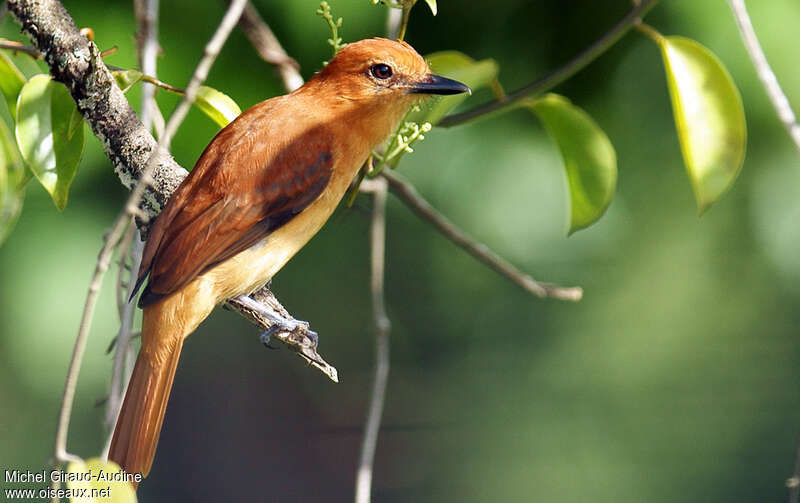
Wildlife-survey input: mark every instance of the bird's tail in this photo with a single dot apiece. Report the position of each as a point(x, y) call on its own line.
point(139, 424)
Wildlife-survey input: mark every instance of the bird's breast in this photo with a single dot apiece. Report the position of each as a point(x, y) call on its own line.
point(253, 268)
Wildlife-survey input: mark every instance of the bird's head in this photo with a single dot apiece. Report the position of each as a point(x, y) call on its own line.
point(380, 72)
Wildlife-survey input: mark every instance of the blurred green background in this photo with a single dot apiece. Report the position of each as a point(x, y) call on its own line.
point(675, 379)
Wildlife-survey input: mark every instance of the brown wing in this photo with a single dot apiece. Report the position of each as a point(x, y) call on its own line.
point(237, 194)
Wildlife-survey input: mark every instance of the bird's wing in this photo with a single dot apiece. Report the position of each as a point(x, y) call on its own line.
point(233, 199)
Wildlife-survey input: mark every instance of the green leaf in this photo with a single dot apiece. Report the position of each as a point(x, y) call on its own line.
point(10, 209)
point(218, 106)
point(589, 157)
point(458, 66)
point(12, 190)
point(709, 117)
point(75, 121)
point(432, 5)
point(44, 114)
point(127, 78)
point(11, 81)
point(99, 481)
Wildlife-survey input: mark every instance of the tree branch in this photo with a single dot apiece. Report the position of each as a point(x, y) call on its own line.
point(76, 62)
point(561, 74)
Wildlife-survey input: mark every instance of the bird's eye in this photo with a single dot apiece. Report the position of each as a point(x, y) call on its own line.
point(381, 71)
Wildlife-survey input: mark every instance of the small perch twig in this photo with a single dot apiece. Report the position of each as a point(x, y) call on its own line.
point(395, 26)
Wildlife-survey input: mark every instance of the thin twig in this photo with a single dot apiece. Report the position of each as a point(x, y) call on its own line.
point(561, 74)
point(213, 47)
point(146, 78)
point(120, 369)
point(147, 47)
point(401, 30)
point(409, 195)
point(395, 26)
point(765, 73)
point(146, 12)
point(369, 442)
point(786, 115)
point(60, 454)
point(131, 208)
point(269, 48)
point(20, 47)
point(147, 72)
point(393, 19)
point(124, 256)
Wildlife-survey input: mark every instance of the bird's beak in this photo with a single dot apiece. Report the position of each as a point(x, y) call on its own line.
point(436, 84)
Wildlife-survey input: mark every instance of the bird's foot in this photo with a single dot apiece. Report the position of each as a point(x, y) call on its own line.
point(299, 335)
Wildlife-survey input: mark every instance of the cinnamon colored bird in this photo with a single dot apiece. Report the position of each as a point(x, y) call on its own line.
point(262, 188)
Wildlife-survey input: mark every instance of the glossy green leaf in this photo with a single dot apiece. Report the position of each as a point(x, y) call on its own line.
point(12, 191)
point(458, 66)
point(44, 114)
point(11, 81)
point(218, 106)
point(709, 117)
point(127, 78)
point(75, 121)
point(98, 481)
point(589, 158)
point(432, 5)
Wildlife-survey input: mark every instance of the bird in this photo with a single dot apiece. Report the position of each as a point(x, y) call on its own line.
point(259, 192)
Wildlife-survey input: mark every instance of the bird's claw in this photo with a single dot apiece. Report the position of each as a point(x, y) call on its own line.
point(266, 335)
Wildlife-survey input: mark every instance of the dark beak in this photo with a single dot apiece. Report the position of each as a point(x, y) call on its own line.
point(439, 85)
